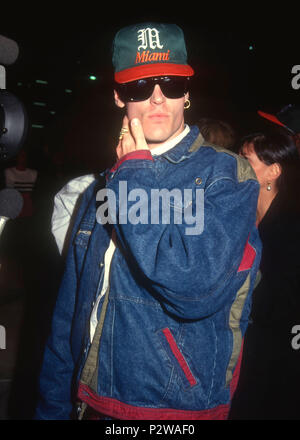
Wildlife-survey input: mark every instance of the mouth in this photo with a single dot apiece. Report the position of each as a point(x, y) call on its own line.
point(158, 116)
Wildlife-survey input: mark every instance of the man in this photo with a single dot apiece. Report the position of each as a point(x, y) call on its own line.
point(288, 118)
point(155, 298)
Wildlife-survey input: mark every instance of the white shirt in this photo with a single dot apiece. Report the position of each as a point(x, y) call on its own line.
point(171, 143)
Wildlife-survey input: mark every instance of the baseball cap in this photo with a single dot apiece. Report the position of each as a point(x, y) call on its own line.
point(149, 49)
point(288, 117)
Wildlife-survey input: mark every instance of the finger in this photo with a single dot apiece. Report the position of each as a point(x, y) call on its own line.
point(126, 141)
point(125, 121)
point(138, 135)
point(119, 151)
point(124, 129)
point(120, 147)
point(125, 124)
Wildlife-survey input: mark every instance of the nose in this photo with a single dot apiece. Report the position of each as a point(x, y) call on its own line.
point(157, 96)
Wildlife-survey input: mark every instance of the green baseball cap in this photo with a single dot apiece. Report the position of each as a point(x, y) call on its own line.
point(149, 49)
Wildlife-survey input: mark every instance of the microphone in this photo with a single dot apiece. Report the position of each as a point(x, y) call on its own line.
point(11, 204)
point(9, 51)
point(13, 116)
point(13, 125)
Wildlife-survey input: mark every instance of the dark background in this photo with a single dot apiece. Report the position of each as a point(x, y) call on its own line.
point(65, 46)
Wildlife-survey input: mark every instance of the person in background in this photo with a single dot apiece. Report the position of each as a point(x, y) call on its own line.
point(289, 119)
point(65, 203)
point(16, 241)
point(217, 132)
point(269, 386)
point(23, 179)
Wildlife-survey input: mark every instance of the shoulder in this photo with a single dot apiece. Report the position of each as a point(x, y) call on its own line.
point(226, 163)
point(66, 199)
point(76, 186)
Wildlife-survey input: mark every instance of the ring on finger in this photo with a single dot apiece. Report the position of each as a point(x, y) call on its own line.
point(123, 131)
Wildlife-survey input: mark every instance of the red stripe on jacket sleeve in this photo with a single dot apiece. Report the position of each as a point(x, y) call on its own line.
point(137, 154)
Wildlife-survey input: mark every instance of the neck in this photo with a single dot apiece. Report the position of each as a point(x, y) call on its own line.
point(154, 144)
point(161, 148)
point(265, 199)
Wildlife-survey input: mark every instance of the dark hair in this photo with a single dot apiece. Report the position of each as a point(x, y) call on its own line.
point(217, 132)
point(277, 147)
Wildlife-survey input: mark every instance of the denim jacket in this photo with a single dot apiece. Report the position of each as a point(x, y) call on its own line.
point(171, 324)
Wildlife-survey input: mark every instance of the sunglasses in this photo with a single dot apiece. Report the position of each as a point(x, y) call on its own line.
point(173, 87)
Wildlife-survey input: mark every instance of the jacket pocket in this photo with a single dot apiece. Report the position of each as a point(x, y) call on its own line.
point(178, 359)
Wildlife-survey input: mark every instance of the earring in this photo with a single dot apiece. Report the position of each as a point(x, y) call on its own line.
point(269, 187)
point(187, 104)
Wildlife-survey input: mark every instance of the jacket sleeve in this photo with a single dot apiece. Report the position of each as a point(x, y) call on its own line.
point(55, 381)
point(189, 274)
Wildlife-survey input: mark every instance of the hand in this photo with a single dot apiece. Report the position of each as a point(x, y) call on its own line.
point(133, 140)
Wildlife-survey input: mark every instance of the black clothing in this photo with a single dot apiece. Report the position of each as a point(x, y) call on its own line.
point(269, 385)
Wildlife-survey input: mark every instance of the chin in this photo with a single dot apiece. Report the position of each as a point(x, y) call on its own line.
point(152, 143)
point(156, 138)
point(152, 140)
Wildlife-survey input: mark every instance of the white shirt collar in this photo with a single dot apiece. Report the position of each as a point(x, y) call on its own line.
point(170, 144)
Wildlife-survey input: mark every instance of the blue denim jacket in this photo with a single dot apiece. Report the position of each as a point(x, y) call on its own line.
point(171, 325)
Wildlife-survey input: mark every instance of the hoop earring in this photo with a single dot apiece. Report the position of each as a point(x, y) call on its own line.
point(187, 104)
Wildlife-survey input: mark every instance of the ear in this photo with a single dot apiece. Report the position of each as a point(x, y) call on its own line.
point(118, 101)
point(274, 171)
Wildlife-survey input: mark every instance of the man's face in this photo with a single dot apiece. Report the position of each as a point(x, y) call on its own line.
point(162, 118)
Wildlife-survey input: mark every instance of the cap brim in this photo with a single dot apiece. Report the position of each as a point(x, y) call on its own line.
point(148, 70)
point(271, 118)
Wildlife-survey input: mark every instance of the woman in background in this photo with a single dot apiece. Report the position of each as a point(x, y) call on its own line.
point(269, 385)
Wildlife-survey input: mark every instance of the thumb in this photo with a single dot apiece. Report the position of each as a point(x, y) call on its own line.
point(138, 134)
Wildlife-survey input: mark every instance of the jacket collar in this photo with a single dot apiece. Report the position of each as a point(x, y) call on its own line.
point(166, 146)
point(186, 147)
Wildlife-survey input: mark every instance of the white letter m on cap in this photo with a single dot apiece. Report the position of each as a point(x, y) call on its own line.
point(149, 37)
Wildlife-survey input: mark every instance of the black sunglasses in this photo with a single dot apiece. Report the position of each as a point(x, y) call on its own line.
point(172, 87)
